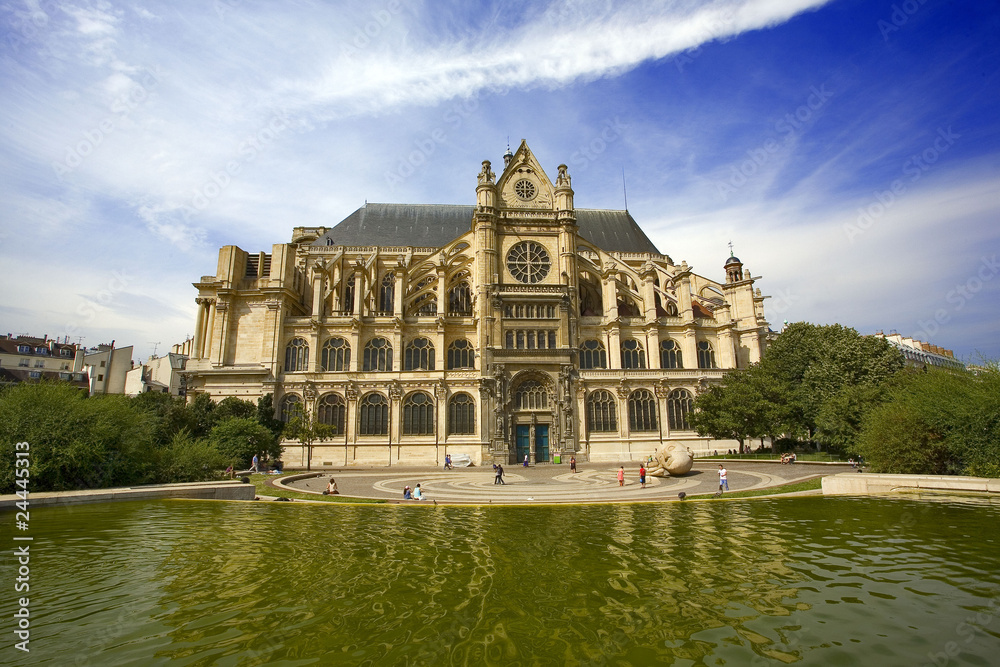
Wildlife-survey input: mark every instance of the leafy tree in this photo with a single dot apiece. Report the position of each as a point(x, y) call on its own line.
point(841, 416)
point(237, 440)
point(76, 442)
point(265, 415)
point(202, 415)
point(189, 460)
point(960, 414)
point(746, 405)
point(232, 407)
point(168, 415)
point(307, 431)
point(896, 439)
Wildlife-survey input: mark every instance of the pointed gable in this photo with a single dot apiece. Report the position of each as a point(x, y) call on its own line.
point(524, 183)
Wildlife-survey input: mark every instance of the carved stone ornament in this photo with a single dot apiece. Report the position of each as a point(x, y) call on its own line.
point(486, 175)
point(395, 391)
point(351, 392)
point(309, 391)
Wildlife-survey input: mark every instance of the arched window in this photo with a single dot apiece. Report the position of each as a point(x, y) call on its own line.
point(633, 356)
point(348, 304)
point(373, 415)
point(418, 414)
point(291, 407)
point(336, 355)
point(641, 411)
point(296, 356)
point(332, 411)
point(419, 355)
point(461, 415)
point(602, 417)
point(670, 355)
point(706, 355)
point(378, 355)
point(593, 355)
point(678, 406)
point(531, 395)
point(460, 300)
point(386, 293)
point(461, 354)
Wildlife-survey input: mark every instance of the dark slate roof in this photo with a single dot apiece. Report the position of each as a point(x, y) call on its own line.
point(434, 225)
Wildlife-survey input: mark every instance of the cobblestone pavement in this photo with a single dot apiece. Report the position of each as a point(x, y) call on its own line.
point(551, 483)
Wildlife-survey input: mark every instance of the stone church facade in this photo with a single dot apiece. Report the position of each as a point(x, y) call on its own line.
point(518, 326)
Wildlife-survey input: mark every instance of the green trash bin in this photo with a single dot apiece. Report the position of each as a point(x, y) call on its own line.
point(558, 458)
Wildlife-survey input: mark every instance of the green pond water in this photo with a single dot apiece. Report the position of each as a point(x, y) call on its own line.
point(812, 581)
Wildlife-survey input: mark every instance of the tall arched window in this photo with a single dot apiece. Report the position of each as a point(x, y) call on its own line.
point(670, 355)
point(296, 356)
point(386, 293)
point(602, 417)
point(332, 411)
point(373, 415)
point(460, 300)
point(461, 354)
point(633, 356)
point(348, 304)
point(378, 355)
point(641, 411)
point(678, 406)
point(706, 355)
point(418, 414)
point(419, 355)
point(461, 415)
point(291, 407)
point(531, 395)
point(593, 355)
point(336, 355)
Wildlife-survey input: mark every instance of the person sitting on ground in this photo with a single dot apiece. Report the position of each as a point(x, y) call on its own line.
point(417, 493)
point(331, 488)
point(406, 493)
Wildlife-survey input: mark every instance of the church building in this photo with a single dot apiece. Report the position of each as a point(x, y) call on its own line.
point(520, 326)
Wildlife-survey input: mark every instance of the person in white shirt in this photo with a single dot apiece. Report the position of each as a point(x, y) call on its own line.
point(723, 480)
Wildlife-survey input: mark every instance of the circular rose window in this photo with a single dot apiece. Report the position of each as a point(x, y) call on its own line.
point(528, 262)
point(525, 189)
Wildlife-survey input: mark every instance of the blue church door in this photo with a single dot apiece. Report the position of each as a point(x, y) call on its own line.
point(522, 441)
point(541, 443)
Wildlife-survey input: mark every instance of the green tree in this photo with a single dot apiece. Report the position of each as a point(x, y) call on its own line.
point(307, 431)
point(186, 459)
point(841, 416)
point(75, 442)
point(747, 404)
point(237, 440)
point(265, 415)
point(232, 407)
point(896, 439)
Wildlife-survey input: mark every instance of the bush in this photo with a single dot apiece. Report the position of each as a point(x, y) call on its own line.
point(896, 439)
point(237, 440)
point(191, 460)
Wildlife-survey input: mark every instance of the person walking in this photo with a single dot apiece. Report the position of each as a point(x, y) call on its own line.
point(642, 476)
point(723, 479)
point(254, 464)
point(621, 476)
point(499, 479)
point(447, 462)
point(525, 460)
point(572, 464)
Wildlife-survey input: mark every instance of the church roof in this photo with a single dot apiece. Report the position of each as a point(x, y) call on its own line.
point(434, 225)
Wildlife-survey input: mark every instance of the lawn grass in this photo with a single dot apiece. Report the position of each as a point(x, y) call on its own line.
point(260, 483)
point(807, 485)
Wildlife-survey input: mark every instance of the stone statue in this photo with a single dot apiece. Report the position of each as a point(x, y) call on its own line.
point(671, 460)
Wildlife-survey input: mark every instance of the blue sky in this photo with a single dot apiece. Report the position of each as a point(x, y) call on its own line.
point(849, 150)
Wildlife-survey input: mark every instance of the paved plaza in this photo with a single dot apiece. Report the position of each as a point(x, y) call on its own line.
point(551, 483)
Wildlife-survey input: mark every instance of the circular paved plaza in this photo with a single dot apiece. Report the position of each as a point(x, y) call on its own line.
point(550, 483)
